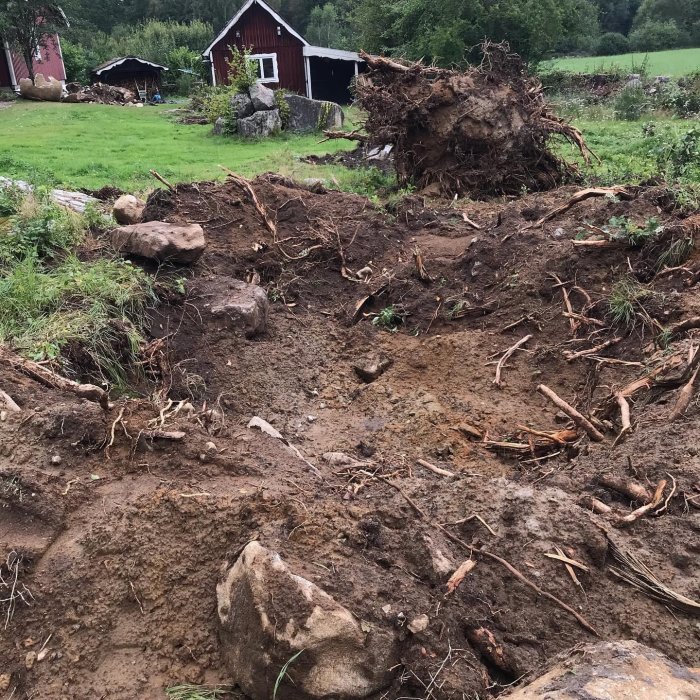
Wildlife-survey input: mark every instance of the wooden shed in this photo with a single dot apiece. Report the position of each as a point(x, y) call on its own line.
point(284, 58)
point(130, 72)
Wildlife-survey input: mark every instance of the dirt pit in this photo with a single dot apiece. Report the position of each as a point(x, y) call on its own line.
point(114, 532)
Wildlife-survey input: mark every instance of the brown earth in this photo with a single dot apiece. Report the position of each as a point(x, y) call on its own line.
point(122, 535)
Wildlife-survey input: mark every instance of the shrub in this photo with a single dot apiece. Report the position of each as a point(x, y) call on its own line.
point(656, 35)
point(283, 107)
point(630, 104)
point(242, 72)
point(612, 44)
point(76, 62)
point(682, 101)
point(677, 157)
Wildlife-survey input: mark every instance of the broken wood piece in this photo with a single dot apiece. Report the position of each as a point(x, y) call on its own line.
point(580, 196)
point(567, 302)
point(683, 326)
point(569, 568)
point(160, 178)
point(684, 396)
point(571, 356)
point(595, 244)
point(349, 135)
point(624, 414)
point(506, 355)
point(459, 575)
point(420, 267)
point(570, 411)
point(560, 556)
point(434, 469)
point(175, 435)
point(471, 223)
point(470, 431)
point(561, 437)
point(631, 489)
point(585, 319)
point(49, 378)
point(484, 641)
point(640, 512)
point(9, 402)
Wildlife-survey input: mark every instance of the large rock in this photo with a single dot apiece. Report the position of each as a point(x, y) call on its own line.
point(242, 105)
point(260, 124)
point(262, 97)
point(41, 89)
point(161, 241)
point(614, 671)
point(312, 115)
point(243, 306)
point(128, 209)
point(268, 615)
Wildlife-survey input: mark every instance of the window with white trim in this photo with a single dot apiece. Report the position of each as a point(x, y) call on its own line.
point(265, 65)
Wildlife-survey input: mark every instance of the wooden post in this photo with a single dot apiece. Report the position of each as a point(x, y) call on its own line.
point(307, 65)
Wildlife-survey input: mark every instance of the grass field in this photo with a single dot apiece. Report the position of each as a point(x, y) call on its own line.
point(672, 63)
point(88, 146)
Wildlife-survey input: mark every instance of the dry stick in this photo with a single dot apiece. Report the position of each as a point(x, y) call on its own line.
point(471, 223)
point(585, 194)
point(349, 135)
point(571, 356)
point(46, 376)
point(523, 579)
point(433, 468)
point(554, 437)
point(636, 514)
point(596, 506)
point(160, 178)
point(9, 402)
point(560, 556)
point(459, 575)
point(624, 414)
point(570, 411)
point(506, 355)
point(684, 396)
point(669, 497)
point(595, 244)
point(567, 303)
point(242, 182)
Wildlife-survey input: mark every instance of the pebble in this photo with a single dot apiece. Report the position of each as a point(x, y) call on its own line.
point(5, 680)
point(29, 660)
point(419, 624)
point(56, 459)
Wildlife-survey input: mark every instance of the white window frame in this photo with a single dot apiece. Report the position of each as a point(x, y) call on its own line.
point(37, 54)
point(259, 57)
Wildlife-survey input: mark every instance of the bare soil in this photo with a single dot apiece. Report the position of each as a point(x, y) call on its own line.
point(122, 535)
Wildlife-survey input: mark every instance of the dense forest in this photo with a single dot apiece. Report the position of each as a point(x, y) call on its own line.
point(175, 32)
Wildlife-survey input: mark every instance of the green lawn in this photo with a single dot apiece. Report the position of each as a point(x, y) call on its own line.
point(672, 63)
point(88, 146)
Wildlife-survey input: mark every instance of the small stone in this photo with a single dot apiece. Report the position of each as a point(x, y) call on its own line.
point(29, 660)
point(5, 680)
point(128, 209)
point(372, 370)
point(42, 654)
point(559, 233)
point(311, 419)
point(211, 448)
point(419, 624)
point(242, 306)
point(56, 459)
point(386, 609)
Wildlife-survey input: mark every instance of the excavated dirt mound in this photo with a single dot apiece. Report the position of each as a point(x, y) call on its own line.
point(121, 531)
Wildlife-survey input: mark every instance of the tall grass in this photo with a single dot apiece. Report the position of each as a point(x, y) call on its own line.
point(55, 306)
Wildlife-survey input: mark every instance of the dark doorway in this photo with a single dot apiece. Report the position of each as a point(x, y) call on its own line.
point(5, 79)
point(331, 78)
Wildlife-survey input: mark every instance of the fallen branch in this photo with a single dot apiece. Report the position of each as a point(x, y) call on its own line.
point(571, 356)
point(349, 135)
point(624, 414)
point(175, 435)
point(595, 244)
point(49, 378)
point(506, 355)
point(160, 178)
point(684, 397)
point(561, 437)
point(9, 402)
point(595, 505)
point(559, 556)
point(683, 326)
point(570, 411)
point(471, 223)
point(434, 469)
point(616, 191)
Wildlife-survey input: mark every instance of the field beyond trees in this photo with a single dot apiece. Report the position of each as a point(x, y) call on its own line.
point(674, 63)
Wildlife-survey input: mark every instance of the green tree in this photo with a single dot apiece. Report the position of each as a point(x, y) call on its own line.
point(324, 28)
point(27, 24)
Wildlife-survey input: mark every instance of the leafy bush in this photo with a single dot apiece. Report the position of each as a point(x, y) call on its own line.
point(612, 44)
point(76, 62)
point(677, 156)
point(212, 101)
point(39, 228)
point(11, 198)
point(656, 35)
point(283, 107)
point(242, 72)
point(187, 69)
point(631, 103)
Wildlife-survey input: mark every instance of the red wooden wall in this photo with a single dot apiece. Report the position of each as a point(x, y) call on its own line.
point(258, 31)
point(51, 64)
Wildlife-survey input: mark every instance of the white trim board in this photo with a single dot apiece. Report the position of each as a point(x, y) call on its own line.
point(10, 67)
point(259, 57)
point(109, 66)
point(323, 52)
point(240, 13)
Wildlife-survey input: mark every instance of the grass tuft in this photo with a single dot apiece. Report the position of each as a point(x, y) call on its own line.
point(189, 691)
point(626, 301)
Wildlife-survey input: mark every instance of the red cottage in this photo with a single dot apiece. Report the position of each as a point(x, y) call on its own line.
point(48, 61)
point(285, 59)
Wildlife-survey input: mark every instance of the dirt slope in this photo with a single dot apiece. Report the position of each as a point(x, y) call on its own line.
point(121, 543)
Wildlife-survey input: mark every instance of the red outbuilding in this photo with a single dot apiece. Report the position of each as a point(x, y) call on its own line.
point(284, 58)
point(48, 61)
